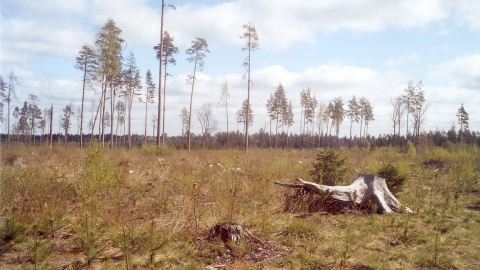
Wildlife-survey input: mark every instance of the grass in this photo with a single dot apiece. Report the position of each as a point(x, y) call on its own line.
point(149, 209)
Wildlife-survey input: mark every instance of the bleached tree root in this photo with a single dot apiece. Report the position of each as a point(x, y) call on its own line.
point(366, 190)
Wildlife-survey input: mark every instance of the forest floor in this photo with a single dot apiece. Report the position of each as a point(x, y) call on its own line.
point(68, 208)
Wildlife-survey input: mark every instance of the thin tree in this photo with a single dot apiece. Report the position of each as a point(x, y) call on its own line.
point(368, 116)
point(362, 103)
point(408, 99)
point(207, 121)
point(242, 113)
point(109, 46)
point(154, 124)
point(50, 119)
point(149, 96)
point(121, 111)
point(3, 95)
point(66, 120)
point(197, 54)
point(322, 117)
point(251, 37)
point(397, 114)
point(352, 113)
point(35, 113)
point(224, 97)
point(9, 97)
point(86, 62)
point(160, 73)
point(287, 118)
point(185, 117)
point(166, 53)
point(337, 117)
point(23, 124)
point(462, 116)
point(133, 86)
point(277, 106)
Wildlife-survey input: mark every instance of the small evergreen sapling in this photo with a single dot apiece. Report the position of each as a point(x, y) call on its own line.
point(330, 168)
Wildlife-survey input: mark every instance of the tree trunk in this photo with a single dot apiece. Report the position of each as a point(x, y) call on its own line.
point(366, 191)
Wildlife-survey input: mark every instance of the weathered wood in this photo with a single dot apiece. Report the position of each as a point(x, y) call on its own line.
point(366, 188)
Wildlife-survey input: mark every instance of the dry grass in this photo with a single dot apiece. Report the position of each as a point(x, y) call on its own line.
point(152, 209)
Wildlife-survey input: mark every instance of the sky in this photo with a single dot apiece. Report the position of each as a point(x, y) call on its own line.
point(340, 48)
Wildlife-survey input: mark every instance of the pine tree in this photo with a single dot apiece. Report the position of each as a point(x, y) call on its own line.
point(242, 115)
point(149, 97)
point(109, 47)
point(352, 113)
point(338, 114)
point(133, 86)
point(3, 94)
point(9, 97)
point(251, 37)
point(169, 50)
point(277, 106)
point(86, 62)
point(224, 97)
point(66, 120)
point(197, 54)
point(462, 116)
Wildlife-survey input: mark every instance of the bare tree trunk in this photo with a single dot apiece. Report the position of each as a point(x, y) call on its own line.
point(51, 125)
point(146, 113)
point(104, 98)
point(164, 90)
point(112, 113)
point(159, 113)
point(191, 99)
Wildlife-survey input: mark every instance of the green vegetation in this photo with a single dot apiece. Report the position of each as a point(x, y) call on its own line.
point(69, 208)
point(392, 177)
point(329, 168)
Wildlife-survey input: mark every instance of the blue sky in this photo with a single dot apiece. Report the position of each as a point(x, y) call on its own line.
point(338, 48)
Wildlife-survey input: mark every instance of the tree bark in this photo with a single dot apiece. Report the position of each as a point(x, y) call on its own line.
point(366, 188)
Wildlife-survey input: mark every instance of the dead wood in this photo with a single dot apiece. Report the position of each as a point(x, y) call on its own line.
point(15, 160)
point(366, 192)
point(238, 242)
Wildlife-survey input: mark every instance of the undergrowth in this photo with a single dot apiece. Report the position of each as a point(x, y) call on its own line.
point(151, 209)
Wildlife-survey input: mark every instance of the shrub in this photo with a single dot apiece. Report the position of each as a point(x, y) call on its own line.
point(330, 168)
point(392, 177)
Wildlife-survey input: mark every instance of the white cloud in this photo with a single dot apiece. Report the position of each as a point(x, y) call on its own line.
point(281, 23)
point(463, 71)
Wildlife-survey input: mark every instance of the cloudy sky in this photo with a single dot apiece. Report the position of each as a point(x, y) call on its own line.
point(369, 48)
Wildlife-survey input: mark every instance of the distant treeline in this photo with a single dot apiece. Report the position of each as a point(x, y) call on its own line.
point(261, 139)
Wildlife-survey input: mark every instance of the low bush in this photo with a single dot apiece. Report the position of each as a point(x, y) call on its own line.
point(392, 177)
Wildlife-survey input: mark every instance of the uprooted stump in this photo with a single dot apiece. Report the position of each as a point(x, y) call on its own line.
point(15, 161)
point(367, 192)
point(229, 231)
point(239, 243)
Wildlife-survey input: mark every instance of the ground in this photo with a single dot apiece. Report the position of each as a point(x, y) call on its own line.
point(68, 208)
